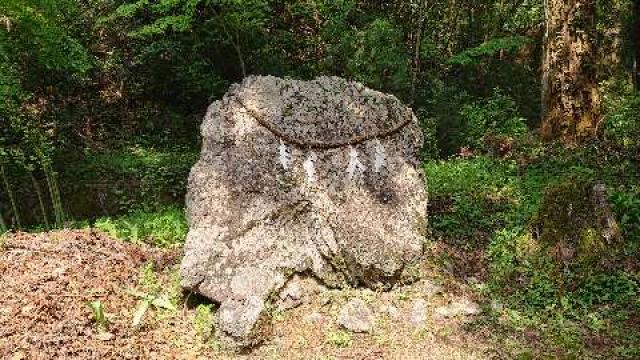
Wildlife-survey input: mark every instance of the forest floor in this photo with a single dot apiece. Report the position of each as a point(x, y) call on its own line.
point(48, 279)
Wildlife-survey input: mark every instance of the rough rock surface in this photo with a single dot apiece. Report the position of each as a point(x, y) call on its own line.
point(296, 292)
point(317, 177)
point(418, 312)
point(429, 288)
point(462, 307)
point(356, 316)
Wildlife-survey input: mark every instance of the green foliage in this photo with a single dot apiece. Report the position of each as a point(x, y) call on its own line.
point(145, 303)
point(626, 205)
point(36, 39)
point(502, 253)
point(182, 15)
point(99, 317)
point(203, 322)
point(158, 173)
point(497, 116)
point(165, 228)
point(150, 296)
point(37, 31)
point(135, 179)
point(339, 338)
point(148, 280)
point(430, 150)
point(379, 58)
point(601, 289)
point(622, 124)
point(489, 48)
point(565, 305)
point(10, 91)
point(186, 45)
point(473, 198)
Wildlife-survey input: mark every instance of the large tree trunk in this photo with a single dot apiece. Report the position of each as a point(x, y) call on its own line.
point(570, 99)
point(636, 44)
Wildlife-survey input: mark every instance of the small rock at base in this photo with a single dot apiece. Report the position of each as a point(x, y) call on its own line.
point(291, 296)
point(462, 307)
point(356, 316)
point(418, 312)
point(314, 317)
point(429, 288)
point(391, 310)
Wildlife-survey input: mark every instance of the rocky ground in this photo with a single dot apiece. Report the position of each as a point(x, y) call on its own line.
point(48, 279)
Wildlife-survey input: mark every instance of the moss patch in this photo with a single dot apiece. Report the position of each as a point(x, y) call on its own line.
point(573, 226)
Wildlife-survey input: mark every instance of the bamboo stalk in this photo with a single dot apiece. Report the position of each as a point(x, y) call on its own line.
point(3, 225)
point(54, 194)
point(12, 200)
point(36, 186)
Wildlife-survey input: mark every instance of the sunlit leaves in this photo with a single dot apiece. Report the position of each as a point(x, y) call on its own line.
point(489, 48)
point(380, 58)
point(36, 33)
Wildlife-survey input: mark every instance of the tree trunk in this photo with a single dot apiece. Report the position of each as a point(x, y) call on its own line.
point(415, 66)
point(570, 99)
point(636, 44)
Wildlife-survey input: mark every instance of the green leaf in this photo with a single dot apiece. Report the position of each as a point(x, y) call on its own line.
point(163, 302)
point(136, 293)
point(141, 310)
point(98, 313)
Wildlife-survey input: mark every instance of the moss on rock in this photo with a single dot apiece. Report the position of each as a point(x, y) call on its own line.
point(575, 224)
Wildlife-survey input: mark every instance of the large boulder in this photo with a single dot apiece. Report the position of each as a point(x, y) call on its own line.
point(314, 177)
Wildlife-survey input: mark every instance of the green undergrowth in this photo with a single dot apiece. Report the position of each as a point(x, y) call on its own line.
point(146, 195)
point(135, 193)
point(107, 183)
point(488, 204)
point(144, 199)
point(166, 227)
point(129, 177)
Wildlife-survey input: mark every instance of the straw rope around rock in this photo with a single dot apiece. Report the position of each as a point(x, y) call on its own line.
point(318, 144)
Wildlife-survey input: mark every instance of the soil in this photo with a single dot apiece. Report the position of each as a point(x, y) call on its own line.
point(48, 279)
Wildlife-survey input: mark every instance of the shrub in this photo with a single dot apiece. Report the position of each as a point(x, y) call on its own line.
point(471, 198)
point(622, 125)
point(203, 322)
point(430, 131)
point(379, 58)
point(626, 206)
point(607, 288)
point(496, 116)
point(489, 48)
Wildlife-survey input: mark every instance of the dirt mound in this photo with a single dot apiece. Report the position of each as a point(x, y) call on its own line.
point(47, 280)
